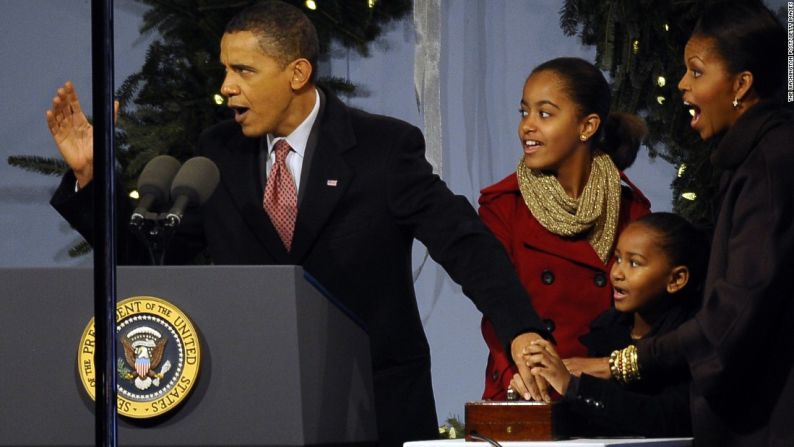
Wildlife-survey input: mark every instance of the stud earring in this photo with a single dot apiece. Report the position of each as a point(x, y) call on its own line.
point(583, 137)
point(736, 103)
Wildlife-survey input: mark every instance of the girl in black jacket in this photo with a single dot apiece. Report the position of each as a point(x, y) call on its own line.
point(657, 278)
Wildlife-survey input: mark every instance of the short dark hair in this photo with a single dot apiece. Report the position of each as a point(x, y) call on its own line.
point(684, 244)
point(619, 134)
point(748, 37)
point(283, 30)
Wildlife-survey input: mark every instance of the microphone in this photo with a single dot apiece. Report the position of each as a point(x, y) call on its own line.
point(193, 185)
point(153, 185)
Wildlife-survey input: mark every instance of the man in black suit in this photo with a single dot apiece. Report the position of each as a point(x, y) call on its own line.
point(363, 191)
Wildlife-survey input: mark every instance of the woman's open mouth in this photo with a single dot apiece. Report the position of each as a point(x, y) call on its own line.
point(694, 111)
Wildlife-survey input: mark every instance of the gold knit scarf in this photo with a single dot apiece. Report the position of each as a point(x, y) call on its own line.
point(596, 210)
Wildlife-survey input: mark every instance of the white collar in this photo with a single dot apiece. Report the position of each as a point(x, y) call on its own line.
point(300, 136)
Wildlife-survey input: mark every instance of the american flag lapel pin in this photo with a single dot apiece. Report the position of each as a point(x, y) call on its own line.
point(332, 182)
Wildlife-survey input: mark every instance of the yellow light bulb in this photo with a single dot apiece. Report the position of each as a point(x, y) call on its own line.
point(218, 99)
point(311, 4)
point(134, 194)
point(661, 81)
point(681, 169)
point(689, 195)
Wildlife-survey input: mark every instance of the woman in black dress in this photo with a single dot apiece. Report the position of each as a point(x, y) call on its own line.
point(739, 347)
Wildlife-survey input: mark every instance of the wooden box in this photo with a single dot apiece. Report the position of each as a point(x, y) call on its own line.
point(514, 421)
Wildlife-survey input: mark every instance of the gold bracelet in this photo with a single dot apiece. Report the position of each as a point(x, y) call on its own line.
point(623, 364)
point(635, 363)
point(613, 364)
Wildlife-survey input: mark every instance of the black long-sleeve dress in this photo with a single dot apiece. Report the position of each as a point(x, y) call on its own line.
point(653, 408)
point(739, 347)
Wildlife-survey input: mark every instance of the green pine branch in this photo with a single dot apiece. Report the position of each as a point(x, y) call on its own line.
point(81, 249)
point(339, 85)
point(453, 428)
point(38, 164)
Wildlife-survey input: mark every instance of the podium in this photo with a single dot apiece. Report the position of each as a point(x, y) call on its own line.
point(281, 363)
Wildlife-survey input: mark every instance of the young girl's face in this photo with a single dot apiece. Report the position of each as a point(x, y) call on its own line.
point(641, 271)
point(550, 124)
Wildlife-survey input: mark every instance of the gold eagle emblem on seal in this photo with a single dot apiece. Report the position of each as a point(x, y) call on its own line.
point(158, 360)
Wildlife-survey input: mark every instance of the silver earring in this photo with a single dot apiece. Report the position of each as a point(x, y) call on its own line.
point(583, 137)
point(736, 103)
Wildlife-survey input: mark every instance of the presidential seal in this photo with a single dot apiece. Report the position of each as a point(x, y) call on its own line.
point(158, 357)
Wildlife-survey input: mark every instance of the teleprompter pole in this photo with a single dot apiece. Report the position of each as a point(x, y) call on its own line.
point(105, 220)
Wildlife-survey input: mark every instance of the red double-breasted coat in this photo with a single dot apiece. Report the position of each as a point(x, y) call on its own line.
point(567, 282)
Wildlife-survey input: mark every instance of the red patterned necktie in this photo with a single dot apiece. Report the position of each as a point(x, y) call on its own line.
point(281, 197)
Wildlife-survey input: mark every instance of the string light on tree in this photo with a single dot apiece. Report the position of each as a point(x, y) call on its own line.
point(134, 194)
point(666, 27)
point(218, 99)
point(310, 4)
point(371, 3)
point(635, 46)
point(661, 81)
point(681, 170)
point(660, 100)
point(689, 195)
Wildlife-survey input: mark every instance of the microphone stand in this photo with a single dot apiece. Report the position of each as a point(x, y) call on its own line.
point(155, 231)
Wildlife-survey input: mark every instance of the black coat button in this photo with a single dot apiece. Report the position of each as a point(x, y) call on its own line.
point(600, 279)
point(549, 324)
point(547, 277)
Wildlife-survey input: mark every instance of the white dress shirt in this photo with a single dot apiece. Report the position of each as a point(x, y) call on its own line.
point(297, 141)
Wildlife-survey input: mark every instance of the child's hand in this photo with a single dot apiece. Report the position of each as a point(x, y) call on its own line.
point(592, 366)
point(547, 363)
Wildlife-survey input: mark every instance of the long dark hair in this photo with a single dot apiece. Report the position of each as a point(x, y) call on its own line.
point(619, 134)
point(748, 37)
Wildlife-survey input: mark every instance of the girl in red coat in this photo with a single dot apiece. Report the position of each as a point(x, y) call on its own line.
point(558, 215)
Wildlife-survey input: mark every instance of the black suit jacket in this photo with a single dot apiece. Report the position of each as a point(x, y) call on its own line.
point(368, 193)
